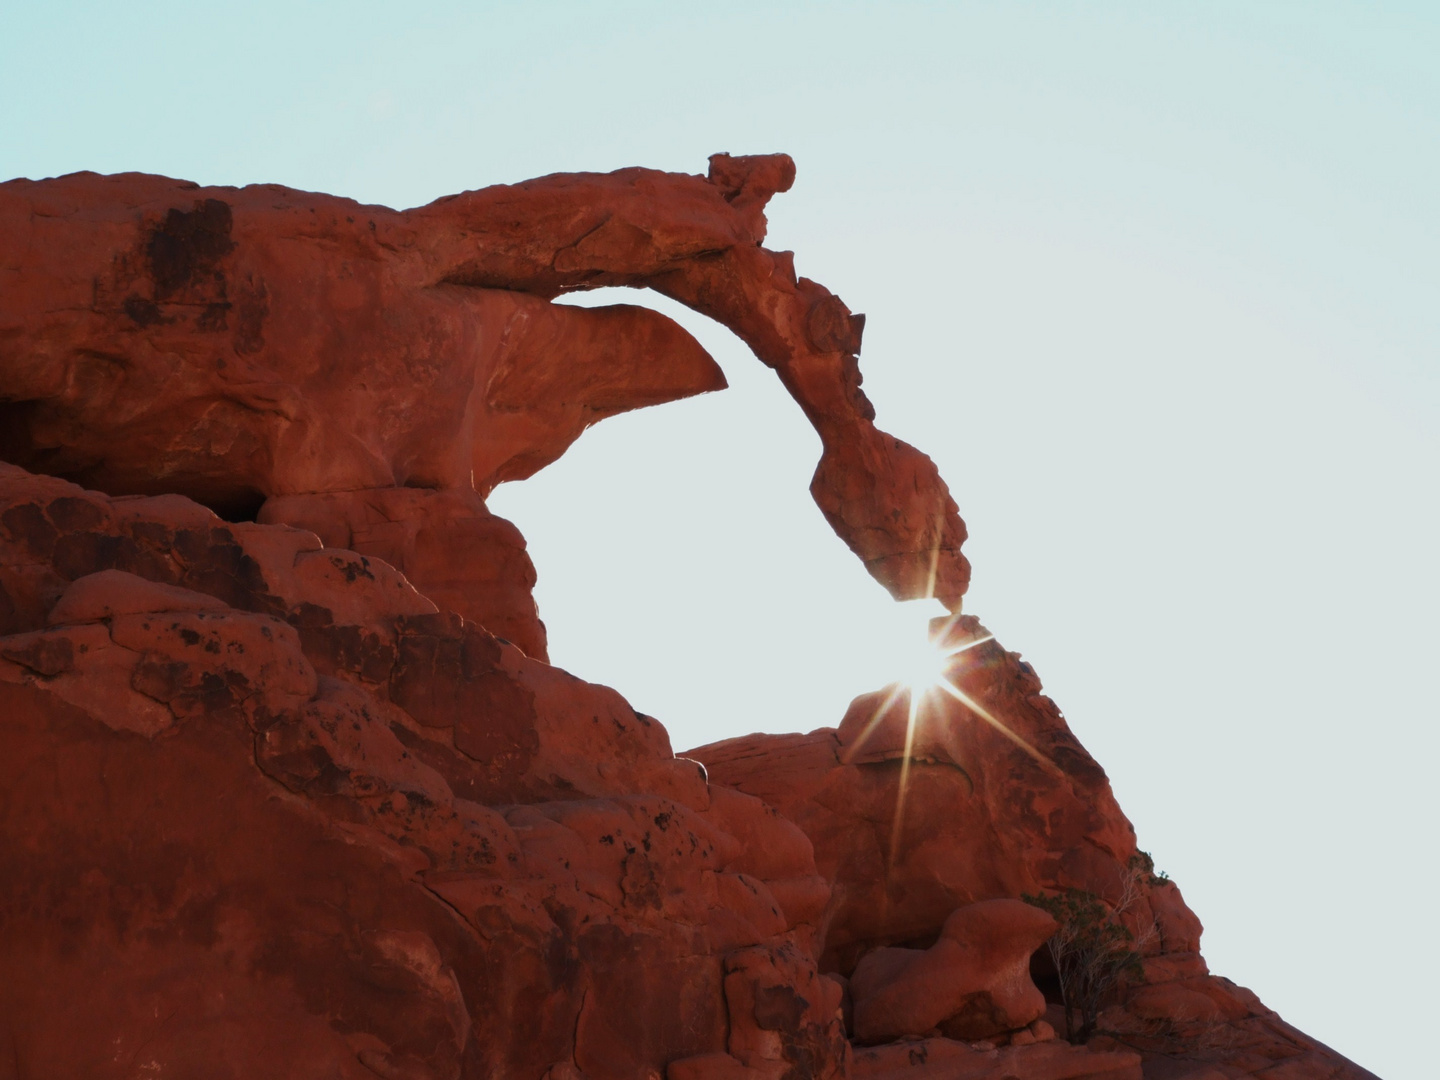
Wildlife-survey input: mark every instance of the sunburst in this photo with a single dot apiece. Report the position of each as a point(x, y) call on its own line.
point(924, 669)
point(930, 669)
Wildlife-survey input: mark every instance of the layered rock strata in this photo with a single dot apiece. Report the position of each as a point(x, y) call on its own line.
point(290, 788)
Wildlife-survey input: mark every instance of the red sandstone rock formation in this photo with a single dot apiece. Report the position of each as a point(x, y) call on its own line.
point(270, 813)
point(999, 801)
point(237, 345)
point(945, 1059)
point(973, 983)
point(300, 796)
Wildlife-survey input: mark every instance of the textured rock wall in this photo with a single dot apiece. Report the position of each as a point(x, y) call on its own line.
point(287, 785)
point(269, 812)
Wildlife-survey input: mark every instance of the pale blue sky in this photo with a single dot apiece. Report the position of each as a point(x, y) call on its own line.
point(1154, 284)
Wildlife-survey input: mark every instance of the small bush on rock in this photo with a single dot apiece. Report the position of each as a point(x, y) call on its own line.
point(1094, 951)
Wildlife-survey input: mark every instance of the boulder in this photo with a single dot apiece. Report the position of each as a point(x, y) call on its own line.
point(974, 981)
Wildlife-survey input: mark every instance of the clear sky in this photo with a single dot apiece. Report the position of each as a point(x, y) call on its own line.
point(1155, 284)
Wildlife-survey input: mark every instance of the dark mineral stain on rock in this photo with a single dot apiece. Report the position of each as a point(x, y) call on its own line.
point(188, 245)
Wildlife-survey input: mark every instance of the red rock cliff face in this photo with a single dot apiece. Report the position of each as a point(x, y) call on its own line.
point(290, 789)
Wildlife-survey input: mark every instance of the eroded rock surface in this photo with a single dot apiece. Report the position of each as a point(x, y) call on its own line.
point(946, 1059)
point(291, 790)
point(268, 812)
point(998, 801)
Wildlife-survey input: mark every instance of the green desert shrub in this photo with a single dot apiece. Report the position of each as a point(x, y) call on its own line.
point(1094, 951)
